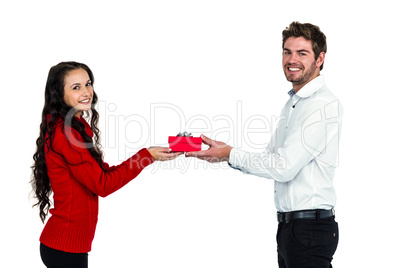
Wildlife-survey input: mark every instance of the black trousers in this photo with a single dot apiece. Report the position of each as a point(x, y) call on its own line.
point(306, 243)
point(53, 258)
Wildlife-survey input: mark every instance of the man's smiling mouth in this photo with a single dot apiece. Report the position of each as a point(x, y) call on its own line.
point(294, 69)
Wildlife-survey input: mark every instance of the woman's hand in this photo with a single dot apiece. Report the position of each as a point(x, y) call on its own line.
point(163, 153)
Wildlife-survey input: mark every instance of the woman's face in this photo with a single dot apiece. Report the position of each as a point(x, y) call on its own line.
point(78, 91)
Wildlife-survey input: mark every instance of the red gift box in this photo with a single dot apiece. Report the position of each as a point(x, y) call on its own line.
point(184, 144)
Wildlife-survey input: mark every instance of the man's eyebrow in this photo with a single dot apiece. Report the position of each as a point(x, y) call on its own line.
point(298, 51)
point(303, 50)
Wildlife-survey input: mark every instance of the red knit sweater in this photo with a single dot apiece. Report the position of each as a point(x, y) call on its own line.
point(77, 180)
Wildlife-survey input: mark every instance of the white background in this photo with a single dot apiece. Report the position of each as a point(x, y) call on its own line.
point(199, 60)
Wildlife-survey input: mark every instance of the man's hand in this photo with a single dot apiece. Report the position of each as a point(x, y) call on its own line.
point(217, 152)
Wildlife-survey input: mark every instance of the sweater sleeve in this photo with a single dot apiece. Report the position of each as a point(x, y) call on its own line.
point(68, 143)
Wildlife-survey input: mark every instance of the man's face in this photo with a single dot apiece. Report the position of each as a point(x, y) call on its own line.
point(298, 61)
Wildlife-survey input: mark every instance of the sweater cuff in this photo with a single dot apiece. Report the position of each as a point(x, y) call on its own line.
point(141, 159)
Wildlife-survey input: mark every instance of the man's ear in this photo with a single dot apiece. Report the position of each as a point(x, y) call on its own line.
point(320, 60)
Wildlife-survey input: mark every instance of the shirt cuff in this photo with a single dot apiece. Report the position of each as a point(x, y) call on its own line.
point(236, 158)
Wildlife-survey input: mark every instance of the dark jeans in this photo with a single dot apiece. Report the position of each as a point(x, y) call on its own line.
point(53, 258)
point(306, 243)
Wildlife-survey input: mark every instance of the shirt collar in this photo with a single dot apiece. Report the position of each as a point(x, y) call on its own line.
point(291, 92)
point(310, 88)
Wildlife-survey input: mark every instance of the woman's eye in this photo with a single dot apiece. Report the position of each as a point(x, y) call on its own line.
point(88, 84)
point(76, 87)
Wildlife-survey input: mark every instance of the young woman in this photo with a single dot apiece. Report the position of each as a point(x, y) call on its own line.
point(68, 162)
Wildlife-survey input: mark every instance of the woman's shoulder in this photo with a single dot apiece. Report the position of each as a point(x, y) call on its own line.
point(65, 135)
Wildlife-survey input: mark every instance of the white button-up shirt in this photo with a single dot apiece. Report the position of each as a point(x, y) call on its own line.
point(303, 152)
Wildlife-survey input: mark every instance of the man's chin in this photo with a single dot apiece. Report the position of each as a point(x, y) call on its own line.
point(294, 80)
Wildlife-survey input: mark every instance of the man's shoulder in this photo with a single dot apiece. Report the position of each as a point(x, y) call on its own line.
point(326, 94)
point(325, 100)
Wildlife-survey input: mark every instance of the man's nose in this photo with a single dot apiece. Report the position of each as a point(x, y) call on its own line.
point(294, 58)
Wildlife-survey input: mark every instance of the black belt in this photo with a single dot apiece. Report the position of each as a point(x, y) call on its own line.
point(305, 214)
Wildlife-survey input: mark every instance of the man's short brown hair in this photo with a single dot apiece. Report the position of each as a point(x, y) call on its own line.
point(309, 32)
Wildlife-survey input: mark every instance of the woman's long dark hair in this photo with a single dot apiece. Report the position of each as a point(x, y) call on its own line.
point(56, 109)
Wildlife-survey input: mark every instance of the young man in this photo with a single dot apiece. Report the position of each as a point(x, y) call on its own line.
point(302, 154)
